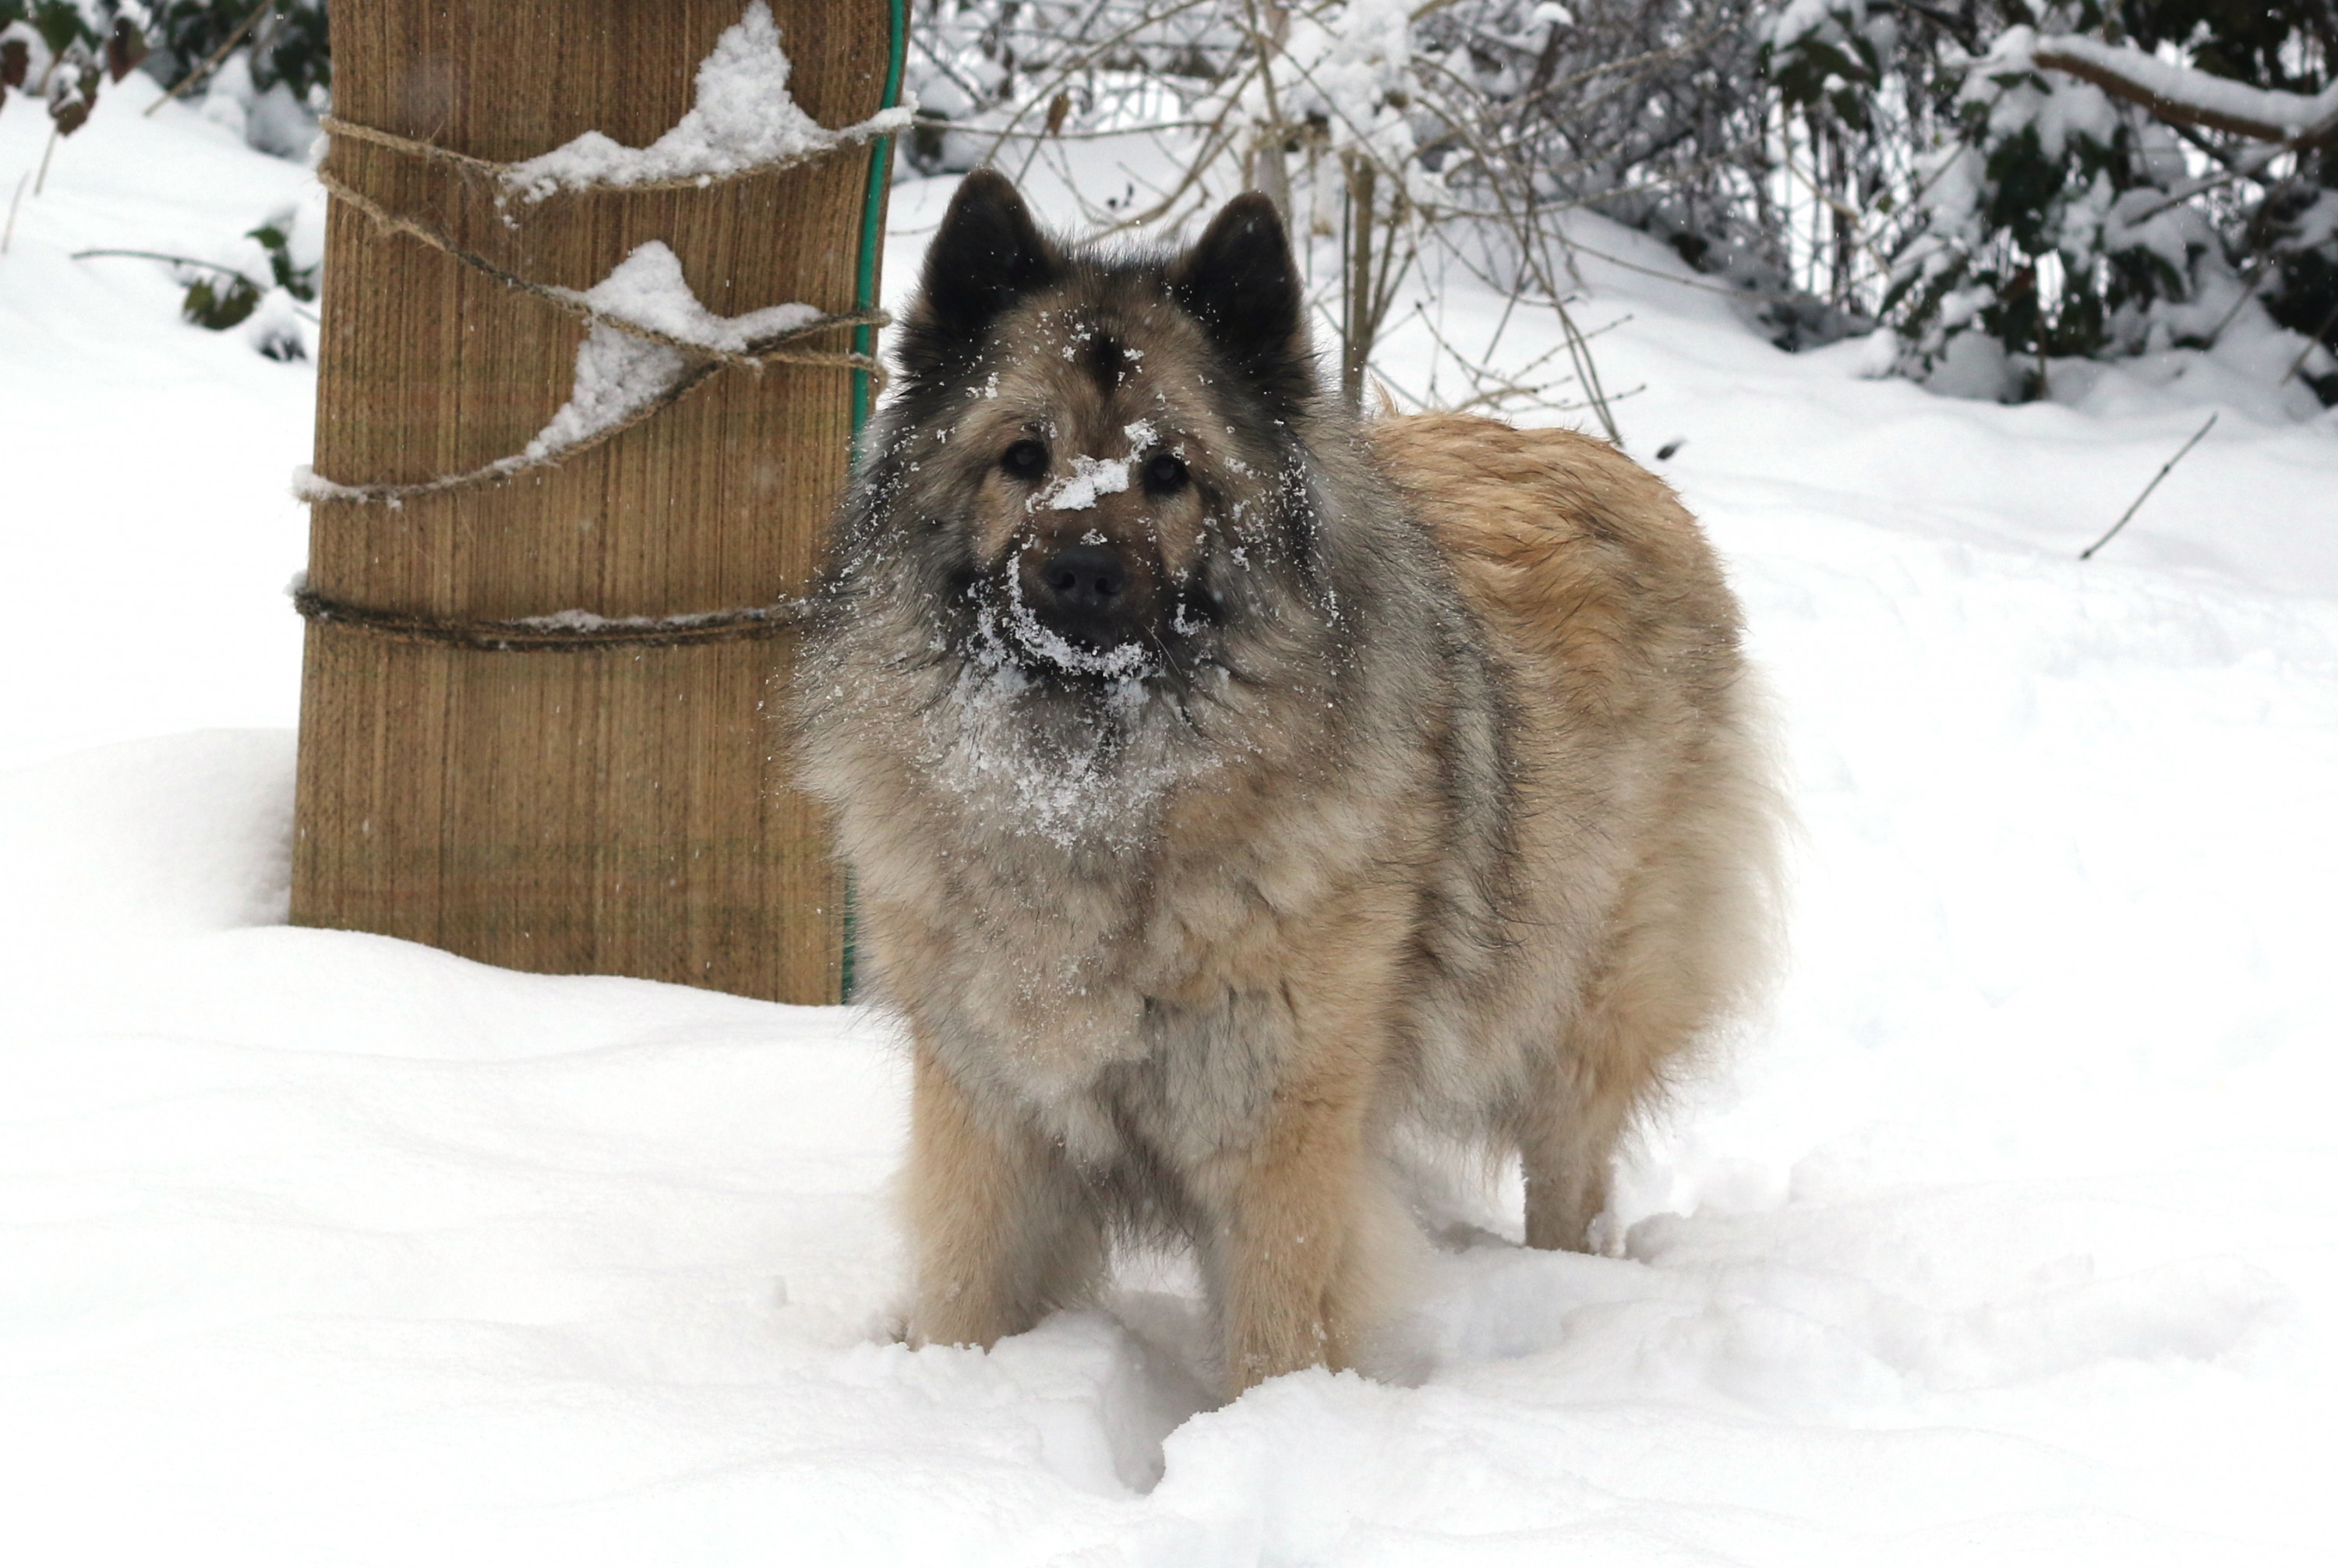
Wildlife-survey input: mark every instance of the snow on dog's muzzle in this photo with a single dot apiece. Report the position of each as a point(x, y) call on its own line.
point(1086, 603)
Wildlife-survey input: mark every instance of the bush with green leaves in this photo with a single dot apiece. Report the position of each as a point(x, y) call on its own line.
point(2052, 227)
point(219, 298)
point(289, 41)
point(2097, 213)
point(64, 52)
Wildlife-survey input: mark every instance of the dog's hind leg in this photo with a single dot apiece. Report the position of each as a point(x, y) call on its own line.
point(1689, 944)
point(1637, 1011)
point(1000, 1227)
point(1643, 1007)
point(1567, 1145)
point(1670, 968)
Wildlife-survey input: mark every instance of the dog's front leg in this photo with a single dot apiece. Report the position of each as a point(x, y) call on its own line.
point(998, 1227)
point(1297, 1218)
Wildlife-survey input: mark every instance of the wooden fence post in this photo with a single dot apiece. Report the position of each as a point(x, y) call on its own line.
point(608, 810)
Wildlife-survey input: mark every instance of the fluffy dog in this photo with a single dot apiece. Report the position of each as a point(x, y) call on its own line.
point(1234, 788)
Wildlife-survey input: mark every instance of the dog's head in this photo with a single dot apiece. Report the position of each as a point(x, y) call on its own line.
point(1090, 459)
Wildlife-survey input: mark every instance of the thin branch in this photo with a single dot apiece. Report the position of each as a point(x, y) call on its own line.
point(1087, 61)
point(1729, 288)
point(1213, 143)
point(42, 183)
point(1629, 62)
point(217, 56)
point(15, 201)
point(937, 123)
point(2136, 504)
point(175, 260)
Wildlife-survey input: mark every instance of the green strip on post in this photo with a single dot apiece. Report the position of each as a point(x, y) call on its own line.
point(864, 341)
point(872, 214)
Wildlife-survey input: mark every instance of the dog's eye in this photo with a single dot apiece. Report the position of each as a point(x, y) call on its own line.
point(1164, 476)
point(1025, 460)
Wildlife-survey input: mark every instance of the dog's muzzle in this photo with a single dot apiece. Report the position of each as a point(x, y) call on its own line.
point(1089, 594)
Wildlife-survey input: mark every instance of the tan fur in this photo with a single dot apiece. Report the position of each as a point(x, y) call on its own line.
point(1299, 1233)
point(1602, 595)
point(1163, 533)
point(1458, 826)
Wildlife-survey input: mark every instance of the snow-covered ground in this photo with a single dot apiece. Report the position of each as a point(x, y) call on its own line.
point(2011, 1236)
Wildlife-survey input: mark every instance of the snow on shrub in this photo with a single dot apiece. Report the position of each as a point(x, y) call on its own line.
point(265, 65)
point(2090, 198)
point(264, 70)
point(63, 53)
point(1974, 176)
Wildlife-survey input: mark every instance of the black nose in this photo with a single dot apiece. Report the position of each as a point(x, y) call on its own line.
point(1085, 579)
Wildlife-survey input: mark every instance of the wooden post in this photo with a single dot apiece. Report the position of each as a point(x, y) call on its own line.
point(610, 810)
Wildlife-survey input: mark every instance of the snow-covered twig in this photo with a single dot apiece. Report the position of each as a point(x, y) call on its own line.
point(2188, 97)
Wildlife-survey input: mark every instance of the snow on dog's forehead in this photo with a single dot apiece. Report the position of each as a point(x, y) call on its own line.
point(1092, 477)
point(1105, 384)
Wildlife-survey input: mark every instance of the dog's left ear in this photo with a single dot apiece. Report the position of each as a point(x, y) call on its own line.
point(1240, 282)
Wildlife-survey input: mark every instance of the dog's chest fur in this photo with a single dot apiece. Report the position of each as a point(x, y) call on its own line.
point(1107, 944)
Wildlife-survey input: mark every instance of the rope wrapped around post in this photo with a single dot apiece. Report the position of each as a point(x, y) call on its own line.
point(572, 628)
point(568, 630)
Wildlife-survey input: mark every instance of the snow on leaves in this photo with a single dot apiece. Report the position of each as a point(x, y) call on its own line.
point(2063, 220)
point(2191, 97)
point(75, 57)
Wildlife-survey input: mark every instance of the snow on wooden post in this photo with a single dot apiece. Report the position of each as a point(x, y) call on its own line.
point(562, 799)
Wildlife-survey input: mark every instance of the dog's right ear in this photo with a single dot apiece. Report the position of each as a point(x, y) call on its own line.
point(987, 255)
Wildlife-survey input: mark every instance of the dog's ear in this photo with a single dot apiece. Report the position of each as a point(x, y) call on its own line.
point(987, 255)
point(1240, 282)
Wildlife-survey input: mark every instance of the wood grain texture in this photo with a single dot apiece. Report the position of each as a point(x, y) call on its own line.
point(618, 811)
